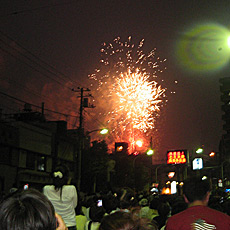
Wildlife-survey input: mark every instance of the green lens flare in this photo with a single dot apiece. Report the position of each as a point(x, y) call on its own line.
point(204, 48)
point(229, 42)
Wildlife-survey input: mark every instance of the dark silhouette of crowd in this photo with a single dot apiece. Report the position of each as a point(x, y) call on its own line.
point(121, 209)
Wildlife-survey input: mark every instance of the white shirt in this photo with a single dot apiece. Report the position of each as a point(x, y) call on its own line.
point(64, 205)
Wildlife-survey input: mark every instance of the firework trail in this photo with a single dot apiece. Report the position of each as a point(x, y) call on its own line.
point(129, 97)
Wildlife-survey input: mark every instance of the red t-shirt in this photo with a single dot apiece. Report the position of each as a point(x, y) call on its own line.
point(199, 217)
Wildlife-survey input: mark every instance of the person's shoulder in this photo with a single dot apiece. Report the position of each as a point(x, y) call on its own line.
point(69, 187)
point(174, 221)
point(47, 187)
point(178, 216)
point(218, 213)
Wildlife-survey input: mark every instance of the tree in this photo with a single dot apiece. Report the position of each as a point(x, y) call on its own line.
point(95, 167)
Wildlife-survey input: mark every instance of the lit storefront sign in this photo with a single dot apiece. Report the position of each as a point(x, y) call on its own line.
point(197, 164)
point(176, 157)
point(173, 187)
point(171, 175)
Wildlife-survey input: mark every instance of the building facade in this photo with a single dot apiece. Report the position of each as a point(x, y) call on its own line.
point(30, 148)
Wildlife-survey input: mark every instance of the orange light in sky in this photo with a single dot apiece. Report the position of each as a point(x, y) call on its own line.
point(139, 143)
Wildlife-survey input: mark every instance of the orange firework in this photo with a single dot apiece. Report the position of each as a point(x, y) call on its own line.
point(128, 94)
point(136, 99)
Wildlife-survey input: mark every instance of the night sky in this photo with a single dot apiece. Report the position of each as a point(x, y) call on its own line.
point(67, 36)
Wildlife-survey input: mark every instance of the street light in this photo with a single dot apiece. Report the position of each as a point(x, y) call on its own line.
point(199, 150)
point(150, 152)
point(104, 131)
point(212, 154)
point(101, 131)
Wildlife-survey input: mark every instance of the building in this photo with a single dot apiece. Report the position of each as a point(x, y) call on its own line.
point(225, 99)
point(30, 147)
point(225, 142)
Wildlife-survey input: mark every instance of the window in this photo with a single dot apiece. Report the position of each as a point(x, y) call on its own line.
point(41, 163)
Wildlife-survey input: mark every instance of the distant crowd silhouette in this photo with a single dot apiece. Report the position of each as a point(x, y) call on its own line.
point(59, 206)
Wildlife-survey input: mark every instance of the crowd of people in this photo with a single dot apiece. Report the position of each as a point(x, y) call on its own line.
point(61, 207)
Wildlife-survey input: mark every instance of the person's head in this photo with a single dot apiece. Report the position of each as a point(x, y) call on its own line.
point(60, 176)
point(125, 221)
point(144, 202)
point(96, 213)
point(126, 198)
point(110, 203)
point(27, 210)
point(117, 221)
point(164, 209)
point(196, 189)
point(178, 206)
point(154, 203)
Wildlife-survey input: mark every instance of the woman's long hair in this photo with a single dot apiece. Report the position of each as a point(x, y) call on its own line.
point(60, 178)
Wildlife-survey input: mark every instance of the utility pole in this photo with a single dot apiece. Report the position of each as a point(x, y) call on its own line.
point(81, 109)
point(78, 160)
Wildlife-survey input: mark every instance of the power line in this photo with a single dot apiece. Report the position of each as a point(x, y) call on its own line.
point(46, 98)
point(33, 62)
point(35, 9)
point(54, 71)
point(26, 89)
point(34, 68)
point(36, 106)
point(95, 119)
point(33, 92)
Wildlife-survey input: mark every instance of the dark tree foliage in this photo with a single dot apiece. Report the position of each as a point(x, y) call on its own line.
point(94, 171)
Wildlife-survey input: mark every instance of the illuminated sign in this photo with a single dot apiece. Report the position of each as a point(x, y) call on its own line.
point(220, 183)
point(171, 174)
point(173, 187)
point(176, 157)
point(121, 147)
point(197, 164)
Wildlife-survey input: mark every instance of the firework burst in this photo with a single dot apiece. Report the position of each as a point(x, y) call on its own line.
point(129, 96)
point(136, 99)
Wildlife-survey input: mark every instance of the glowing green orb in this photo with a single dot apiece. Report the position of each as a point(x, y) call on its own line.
point(204, 48)
point(228, 42)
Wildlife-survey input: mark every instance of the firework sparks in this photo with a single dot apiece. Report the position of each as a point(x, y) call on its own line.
point(130, 96)
point(136, 99)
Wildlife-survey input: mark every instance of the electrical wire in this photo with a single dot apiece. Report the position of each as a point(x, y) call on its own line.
point(17, 99)
point(33, 62)
point(34, 68)
point(54, 71)
point(35, 9)
point(94, 119)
